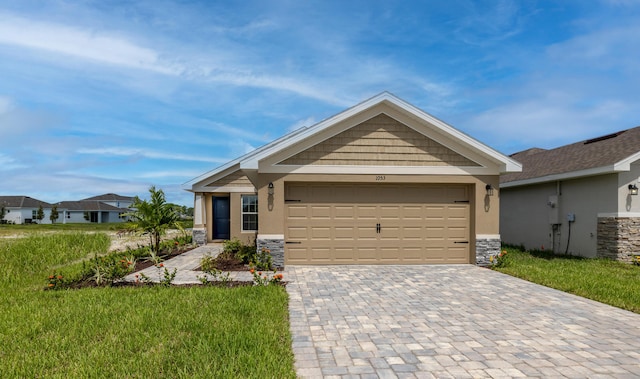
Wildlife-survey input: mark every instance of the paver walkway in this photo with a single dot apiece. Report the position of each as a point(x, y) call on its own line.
point(451, 322)
point(185, 264)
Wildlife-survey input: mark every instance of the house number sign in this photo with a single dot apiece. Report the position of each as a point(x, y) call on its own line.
point(380, 178)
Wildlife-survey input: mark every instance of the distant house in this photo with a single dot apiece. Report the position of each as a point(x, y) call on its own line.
point(579, 199)
point(113, 199)
point(24, 210)
point(98, 209)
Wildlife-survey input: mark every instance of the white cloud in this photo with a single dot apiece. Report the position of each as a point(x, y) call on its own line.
point(5, 105)
point(7, 163)
point(309, 121)
point(146, 153)
point(110, 49)
point(170, 174)
point(81, 43)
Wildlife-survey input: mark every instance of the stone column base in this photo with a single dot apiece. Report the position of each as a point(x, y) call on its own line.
point(618, 238)
point(487, 245)
point(199, 236)
point(275, 244)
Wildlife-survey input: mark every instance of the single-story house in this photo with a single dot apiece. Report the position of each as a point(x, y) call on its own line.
point(114, 200)
point(578, 199)
point(382, 182)
point(86, 211)
point(24, 210)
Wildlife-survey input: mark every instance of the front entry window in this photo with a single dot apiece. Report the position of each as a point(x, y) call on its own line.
point(249, 212)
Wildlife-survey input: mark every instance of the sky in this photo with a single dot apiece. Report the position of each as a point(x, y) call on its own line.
point(116, 96)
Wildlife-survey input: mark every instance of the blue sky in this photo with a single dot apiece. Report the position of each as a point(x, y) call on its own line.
point(116, 96)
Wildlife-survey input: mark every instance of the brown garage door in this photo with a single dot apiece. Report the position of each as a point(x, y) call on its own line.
point(376, 224)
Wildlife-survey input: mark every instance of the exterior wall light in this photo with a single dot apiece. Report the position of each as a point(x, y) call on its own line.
point(270, 188)
point(489, 189)
point(633, 189)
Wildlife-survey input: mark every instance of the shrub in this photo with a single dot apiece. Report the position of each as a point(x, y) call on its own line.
point(232, 246)
point(247, 253)
point(263, 260)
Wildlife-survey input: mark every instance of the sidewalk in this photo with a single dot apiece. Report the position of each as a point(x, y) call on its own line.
point(185, 264)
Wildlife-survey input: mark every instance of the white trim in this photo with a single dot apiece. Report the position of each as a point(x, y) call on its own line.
point(487, 236)
point(625, 164)
point(386, 170)
point(225, 189)
point(270, 236)
point(563, 176)
point(621, 166)
point(188, 186)
point(242, 212)
point(620, 214)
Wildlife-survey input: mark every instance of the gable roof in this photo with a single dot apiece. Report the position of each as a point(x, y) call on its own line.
point(109, 197)
point(89, 205)
point(602, 155)
point(23, 202)
point(266, 158)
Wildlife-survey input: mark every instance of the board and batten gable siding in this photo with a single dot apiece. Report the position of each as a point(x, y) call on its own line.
point(236, 179)
point(380, 141)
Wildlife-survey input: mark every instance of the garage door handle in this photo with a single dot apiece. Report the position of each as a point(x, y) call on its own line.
point(460, 241)
point(293, 242)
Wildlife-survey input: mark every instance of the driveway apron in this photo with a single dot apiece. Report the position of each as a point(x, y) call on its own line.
point(451, 322)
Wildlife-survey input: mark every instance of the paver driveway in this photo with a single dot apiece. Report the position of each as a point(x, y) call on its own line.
point(451, 321)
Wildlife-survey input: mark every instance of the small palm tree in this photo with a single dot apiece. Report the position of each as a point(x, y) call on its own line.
point(154, 217)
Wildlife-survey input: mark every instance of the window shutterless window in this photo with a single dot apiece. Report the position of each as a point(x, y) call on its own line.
point(249, 212)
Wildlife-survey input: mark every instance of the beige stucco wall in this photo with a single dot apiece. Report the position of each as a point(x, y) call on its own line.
point(484, 209)
point(524, 215)
point(235, 206)
point(626, 202)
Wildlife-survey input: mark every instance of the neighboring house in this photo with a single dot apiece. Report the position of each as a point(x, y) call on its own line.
point(579, 199)
point(89, 211)
point(380, 183)
point(113, 199)
point(24, 210)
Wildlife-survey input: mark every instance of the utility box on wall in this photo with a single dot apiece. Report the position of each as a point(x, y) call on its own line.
point(554, 210)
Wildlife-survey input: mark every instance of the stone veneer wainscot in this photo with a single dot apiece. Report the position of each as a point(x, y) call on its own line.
point(487, 246)
point(618, 238)
point(275, 245)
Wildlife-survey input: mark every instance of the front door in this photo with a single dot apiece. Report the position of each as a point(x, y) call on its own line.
point(221, 218)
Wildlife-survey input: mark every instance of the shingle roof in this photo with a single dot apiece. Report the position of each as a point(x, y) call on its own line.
point(594, 153)
point(109, 197)
point(23, 202)
point(89, 205)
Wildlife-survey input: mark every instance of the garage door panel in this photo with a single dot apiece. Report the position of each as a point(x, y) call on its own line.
point(344, 212)
point(344, 233)
point(321, 212)
point(390, 212)
point(367, 212)
point(297, 254)
point(337, 224)
point(412, 233)
point(321, 233)
point(390, 233)
point(367, 254)
point(298, 233)
point(297, 211)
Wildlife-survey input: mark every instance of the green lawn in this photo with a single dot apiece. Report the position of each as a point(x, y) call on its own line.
point(606, 281)
point(126, 332)
point(10, 230)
